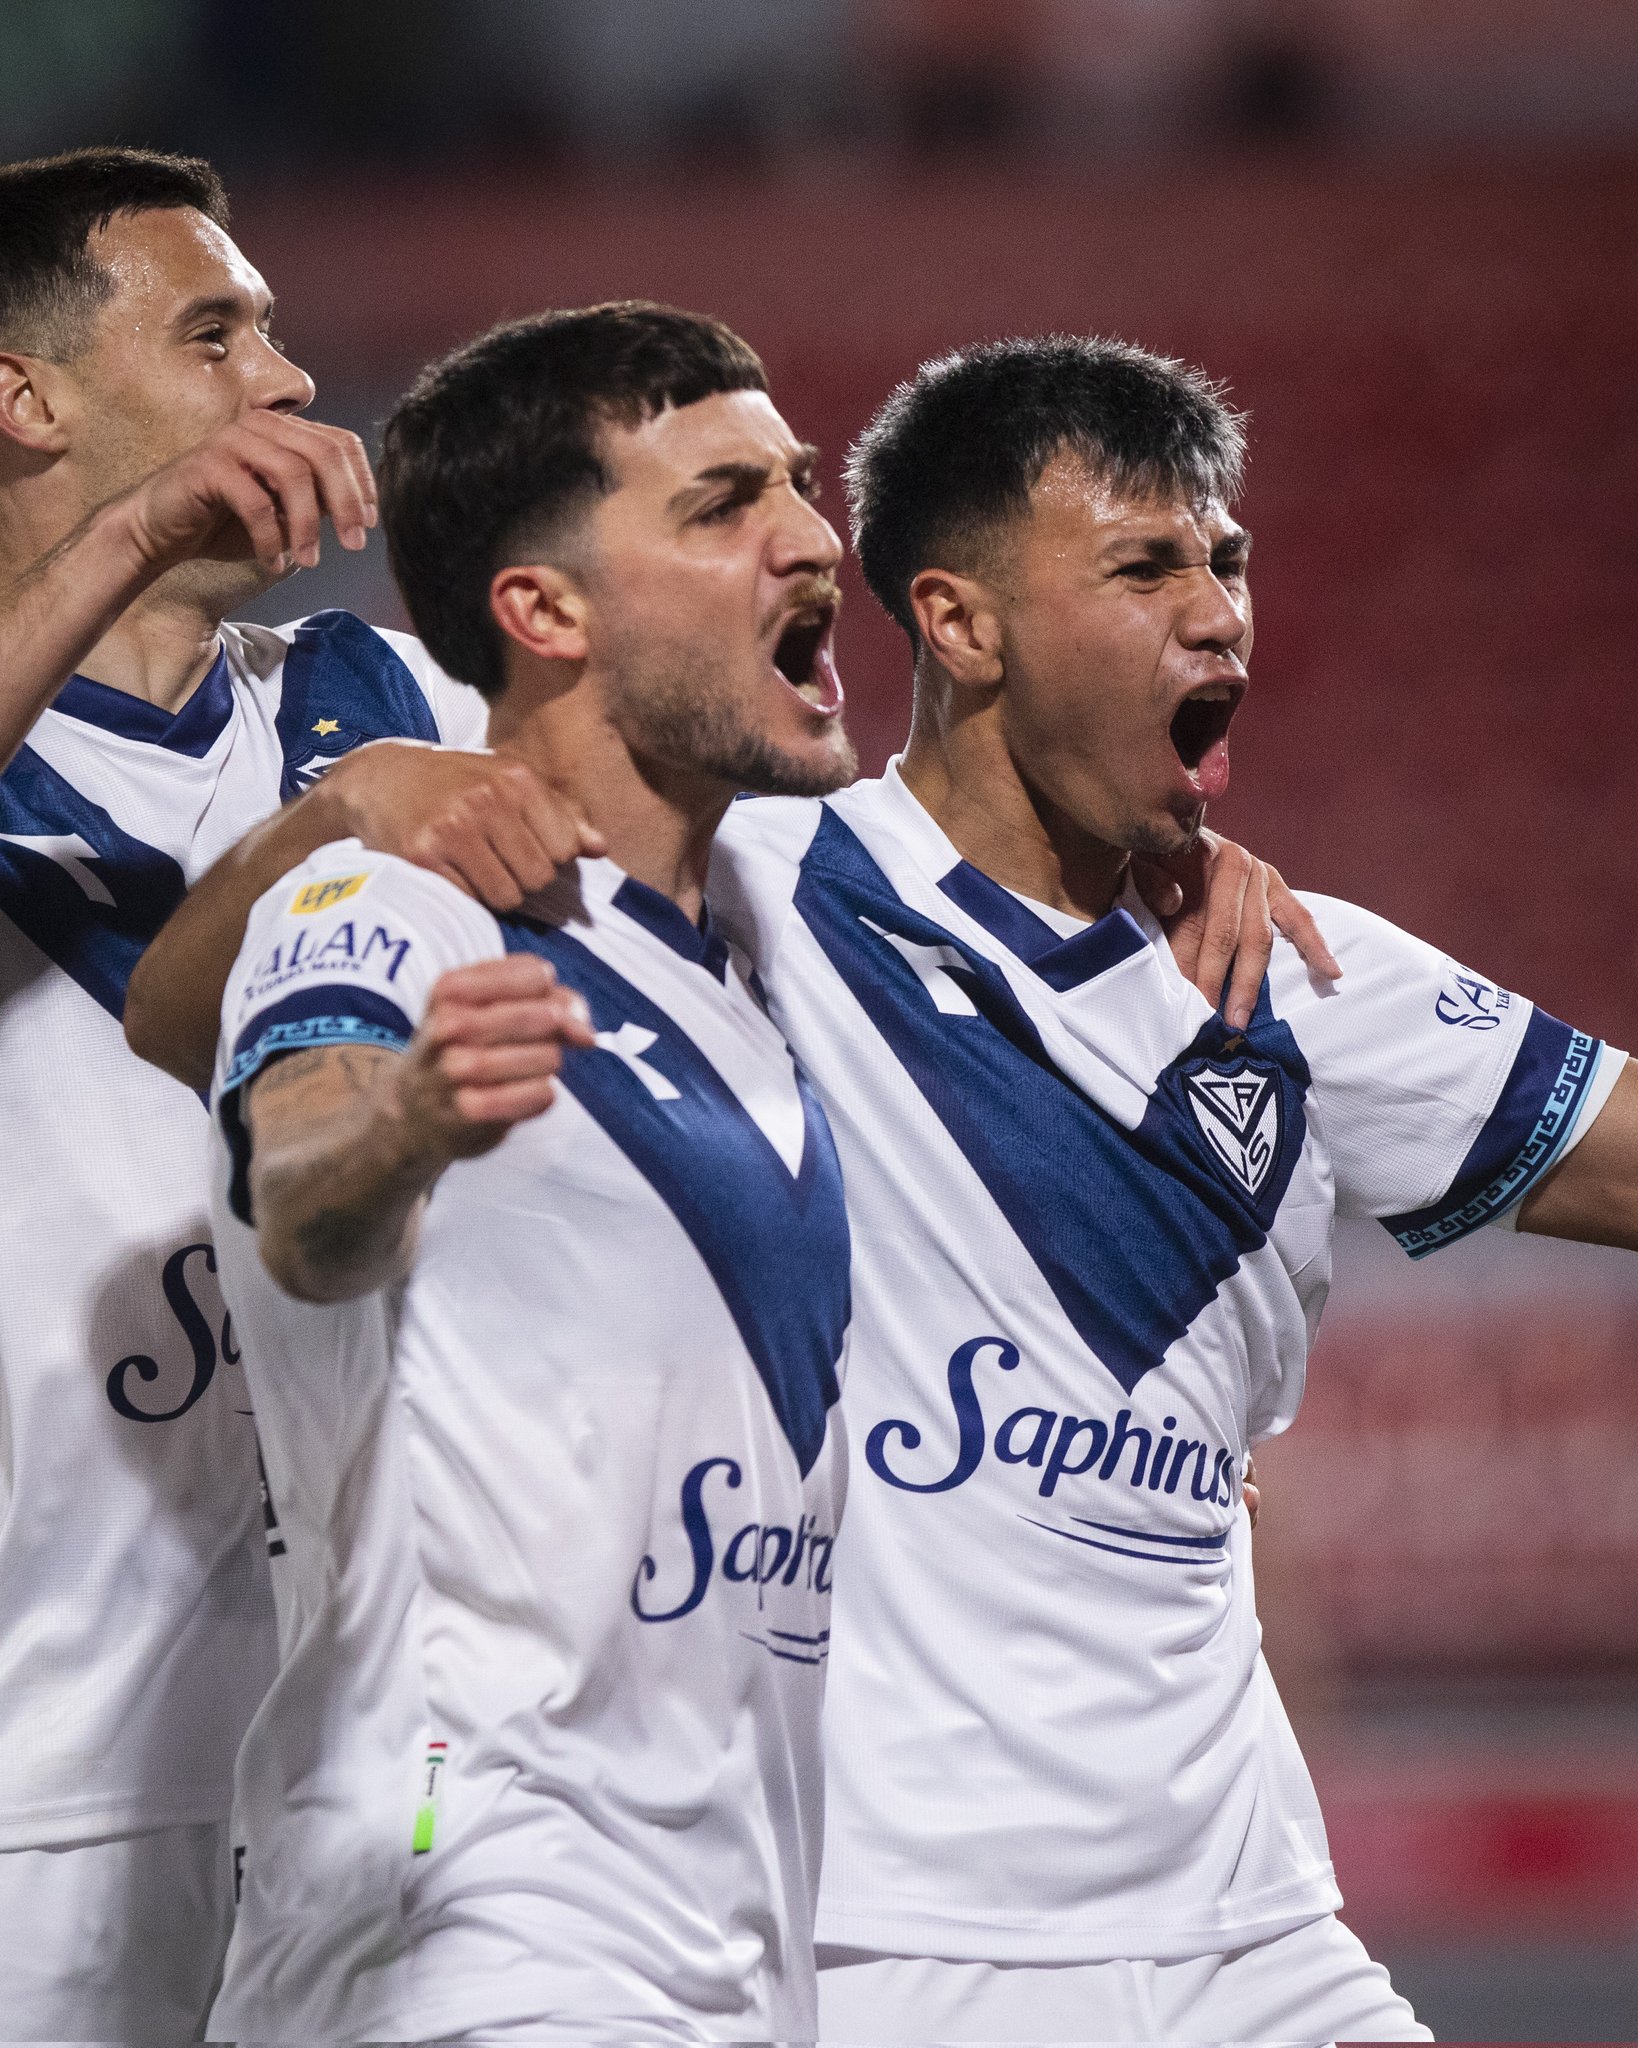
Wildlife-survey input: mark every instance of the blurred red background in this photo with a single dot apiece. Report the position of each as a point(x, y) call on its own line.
point(1405, 233)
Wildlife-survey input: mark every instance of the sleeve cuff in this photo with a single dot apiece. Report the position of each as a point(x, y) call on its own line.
point(1599, 1090)
point(1538, 1114)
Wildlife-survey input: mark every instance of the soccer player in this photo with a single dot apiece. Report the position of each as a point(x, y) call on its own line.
point(154, 474)
point(1092, 1222)
point(543, 1373)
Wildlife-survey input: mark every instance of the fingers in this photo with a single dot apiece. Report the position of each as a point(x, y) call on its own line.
point(1226, 884)
point(1296, 922)
point(460, 849)
point(486, 822)
point(1255, 945)
point(1251, 1493)
point(254, 506)
point(527, 828)
point(515, 1000)
point(1157, 888)
point(314, 471)
point(487, 1110)
point(491, 1046)
point(290, 486)
point(489, 1041)
point(264, 486)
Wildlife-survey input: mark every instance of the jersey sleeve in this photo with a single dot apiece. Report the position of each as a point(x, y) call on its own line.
point(462, 716)
point(1442, 1098)
point(344, 951)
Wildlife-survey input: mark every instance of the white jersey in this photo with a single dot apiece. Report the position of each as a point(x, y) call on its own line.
point(1092, 1230)
point(135, 1624)
point(543, 1754)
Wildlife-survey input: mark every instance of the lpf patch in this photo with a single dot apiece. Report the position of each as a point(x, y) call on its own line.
point(1238, 1111)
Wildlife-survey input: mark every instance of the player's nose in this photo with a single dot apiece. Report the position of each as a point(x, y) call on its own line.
point(1213, 617)
point(277, 384)
point(805, 539)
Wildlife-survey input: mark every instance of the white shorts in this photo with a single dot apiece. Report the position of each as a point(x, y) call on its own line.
point(118, 1940)
point(1315, 1984)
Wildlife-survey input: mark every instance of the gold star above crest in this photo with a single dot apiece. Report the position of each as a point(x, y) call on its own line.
point(326, 726)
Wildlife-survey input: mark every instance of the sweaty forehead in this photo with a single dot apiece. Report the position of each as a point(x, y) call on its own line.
point(1072, 497)
point(163, 257)
point(679, 444)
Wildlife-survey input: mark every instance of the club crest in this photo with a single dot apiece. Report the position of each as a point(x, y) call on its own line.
point(1238, 1111)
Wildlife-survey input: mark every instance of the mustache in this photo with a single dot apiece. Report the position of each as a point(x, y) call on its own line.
point(812, 594)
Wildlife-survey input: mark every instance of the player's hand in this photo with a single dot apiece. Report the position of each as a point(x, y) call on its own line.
point(1221, 907)
point(486, 1056)
point(261, 487)
point(1250, 1492)
point(485, 822)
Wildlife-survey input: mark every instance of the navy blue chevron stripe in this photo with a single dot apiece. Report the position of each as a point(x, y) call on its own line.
point(1133, 1230)
point(95, 918)
point(775, 1243)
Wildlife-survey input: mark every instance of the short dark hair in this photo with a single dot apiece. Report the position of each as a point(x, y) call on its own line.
point(954, 453)
point(498, 445)
point(50, 285)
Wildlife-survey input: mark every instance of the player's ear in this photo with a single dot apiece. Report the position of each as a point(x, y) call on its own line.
point(542, 608)
point(35, 404)
point(959, 625)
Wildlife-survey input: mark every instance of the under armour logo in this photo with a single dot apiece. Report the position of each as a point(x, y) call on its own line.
point(70, 852)
point(932, 965)
point(1239, 1117)
point(627, 1044)
point(303, 774)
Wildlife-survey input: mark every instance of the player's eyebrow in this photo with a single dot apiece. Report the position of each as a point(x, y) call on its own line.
point(221, 306)
point(751, 477)
point(1166, 552)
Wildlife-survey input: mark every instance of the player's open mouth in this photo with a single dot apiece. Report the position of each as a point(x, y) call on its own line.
point(802, 656)
point(1199, 732)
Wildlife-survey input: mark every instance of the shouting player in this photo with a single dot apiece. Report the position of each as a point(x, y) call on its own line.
point(1091, 1227)
point(545, 1398)
point(488, 1938)
point(1092, 1223)
point(154, 474)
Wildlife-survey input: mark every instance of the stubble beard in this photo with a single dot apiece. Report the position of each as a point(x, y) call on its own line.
point(1158, 842)
point(672, 710)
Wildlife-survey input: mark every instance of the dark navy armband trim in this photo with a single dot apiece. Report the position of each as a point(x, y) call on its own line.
point(333, 1015)
point(1521, 1140)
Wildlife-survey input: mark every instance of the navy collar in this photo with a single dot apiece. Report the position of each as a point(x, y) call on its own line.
point(194, 729)
point(657, 913)
point(1061, 963)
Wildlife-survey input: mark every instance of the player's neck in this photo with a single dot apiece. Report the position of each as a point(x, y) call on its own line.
point(964, 777)
point(658, 826)
point(161, 649)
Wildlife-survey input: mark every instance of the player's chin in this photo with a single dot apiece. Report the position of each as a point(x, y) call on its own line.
point(1165, 830)
point(223, 586)
point(822, 762)
point(788, 761)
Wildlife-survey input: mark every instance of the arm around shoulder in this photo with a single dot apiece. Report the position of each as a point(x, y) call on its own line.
point(487, 824)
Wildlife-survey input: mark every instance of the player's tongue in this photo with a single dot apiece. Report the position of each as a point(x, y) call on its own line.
point(1210, 775)
point(1199, 734)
